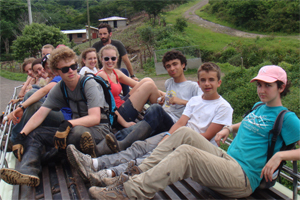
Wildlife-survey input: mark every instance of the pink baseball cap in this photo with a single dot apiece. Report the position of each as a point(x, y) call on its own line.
point(270, 74)
point(60, 45)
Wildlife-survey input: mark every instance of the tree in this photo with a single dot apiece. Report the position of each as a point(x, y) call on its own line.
point(154, 7)
point(33, 37)
point(10, 12)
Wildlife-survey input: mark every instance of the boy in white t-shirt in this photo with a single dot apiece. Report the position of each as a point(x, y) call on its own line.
point(206, 114)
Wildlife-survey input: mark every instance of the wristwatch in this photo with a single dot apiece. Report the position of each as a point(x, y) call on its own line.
point(132, 76)
point(21, 106)
point(229, 128)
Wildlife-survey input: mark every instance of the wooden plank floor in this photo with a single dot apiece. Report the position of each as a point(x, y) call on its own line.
point(61, 181)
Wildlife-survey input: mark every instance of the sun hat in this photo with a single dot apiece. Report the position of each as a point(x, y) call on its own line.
point(270, 74)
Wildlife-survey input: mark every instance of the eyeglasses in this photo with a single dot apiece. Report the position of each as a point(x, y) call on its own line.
point(114, 58)
point(66, 69)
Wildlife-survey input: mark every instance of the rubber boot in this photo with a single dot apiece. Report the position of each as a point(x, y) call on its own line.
point(141, 131)
point(102, 148)
point(30, 167)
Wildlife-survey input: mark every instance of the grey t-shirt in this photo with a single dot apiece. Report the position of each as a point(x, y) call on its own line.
point(93, 92)
point(184, 90)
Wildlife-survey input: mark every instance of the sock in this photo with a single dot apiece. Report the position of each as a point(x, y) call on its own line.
point(109, 173)
point(95, 163)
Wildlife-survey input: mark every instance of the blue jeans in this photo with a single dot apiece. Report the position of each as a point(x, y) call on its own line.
point(156, 117)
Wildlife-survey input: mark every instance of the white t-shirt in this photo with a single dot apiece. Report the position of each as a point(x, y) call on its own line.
point(88, 70)
point(184, 90)
point(204, 112)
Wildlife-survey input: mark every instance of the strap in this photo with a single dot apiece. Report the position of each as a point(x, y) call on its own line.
point(254, 108)
point(64, 91)
point(276, 130)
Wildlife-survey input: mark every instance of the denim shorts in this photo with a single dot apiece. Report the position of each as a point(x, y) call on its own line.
point(127, 111)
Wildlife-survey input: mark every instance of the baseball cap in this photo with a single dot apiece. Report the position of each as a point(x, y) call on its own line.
point(270, 74)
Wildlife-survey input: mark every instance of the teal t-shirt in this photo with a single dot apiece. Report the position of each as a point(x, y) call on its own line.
point(250, 146)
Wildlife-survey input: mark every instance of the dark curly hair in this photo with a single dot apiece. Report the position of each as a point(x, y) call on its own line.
point(172, 55)
point(105, 25)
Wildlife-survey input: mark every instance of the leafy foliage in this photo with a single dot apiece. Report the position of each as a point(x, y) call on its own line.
point(241, 94)
point(259, 15)
point(33, 37)
point(181, 24)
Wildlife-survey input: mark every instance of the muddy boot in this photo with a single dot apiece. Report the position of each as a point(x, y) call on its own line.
point(141, 131)
point(102, 148)
point(29, 169)
point(87, 144)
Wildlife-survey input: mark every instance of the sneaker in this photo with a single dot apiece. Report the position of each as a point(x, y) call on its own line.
point(14, 177)
point(112, 142)
point(132, 169)
point(87, 144)
point(108, 193)
point(82, 162)
point(96, 179)
point(115, 181)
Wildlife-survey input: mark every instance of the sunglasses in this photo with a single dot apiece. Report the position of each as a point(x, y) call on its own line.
point(66, 69)
point(114, 58)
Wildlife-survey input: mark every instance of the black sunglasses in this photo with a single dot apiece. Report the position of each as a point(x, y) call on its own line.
point(66, 69)
point(112, 58)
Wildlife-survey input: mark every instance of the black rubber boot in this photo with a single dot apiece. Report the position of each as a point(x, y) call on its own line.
point(29, 169)
point(141, 131)
point(103, 149)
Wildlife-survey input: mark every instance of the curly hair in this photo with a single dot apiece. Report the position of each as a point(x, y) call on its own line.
point(172, 55)
point(61, 53)
point(84, 53)
point(209, 66)
point(105, 25)
point(26, 62)
point(108, 47)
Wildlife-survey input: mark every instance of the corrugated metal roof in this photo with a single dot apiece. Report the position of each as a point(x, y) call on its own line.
point(74, 31)
point(113, 18)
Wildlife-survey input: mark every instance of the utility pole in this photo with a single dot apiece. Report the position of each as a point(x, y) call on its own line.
point(29, 11)
point(89, 29)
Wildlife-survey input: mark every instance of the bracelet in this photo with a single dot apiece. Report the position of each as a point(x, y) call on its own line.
point(132, 76)
point(21, 106)
point(229, 128)
point(167, 134)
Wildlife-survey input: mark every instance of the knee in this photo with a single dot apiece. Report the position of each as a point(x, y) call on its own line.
point(184, 149)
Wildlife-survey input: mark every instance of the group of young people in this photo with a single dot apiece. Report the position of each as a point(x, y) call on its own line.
point(177, 138)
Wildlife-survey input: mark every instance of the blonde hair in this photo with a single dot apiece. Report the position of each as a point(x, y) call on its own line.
point(209, 66)
point(61, 53)
point(84, 53)
point(48, 46)
point(108, 47)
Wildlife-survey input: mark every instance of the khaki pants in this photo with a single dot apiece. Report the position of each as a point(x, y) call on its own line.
point(186, 154)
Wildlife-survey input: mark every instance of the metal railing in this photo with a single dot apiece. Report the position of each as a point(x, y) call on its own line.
point(6, 130)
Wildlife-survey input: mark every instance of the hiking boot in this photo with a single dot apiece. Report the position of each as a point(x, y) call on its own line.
point(82, 162)
point(108, 193)
point(9, 145)
point(131, 170)
point(87, 144)
point(141, 131)
point(14, 177)
point(96, 179)
point(115, 181)
point(112, 142)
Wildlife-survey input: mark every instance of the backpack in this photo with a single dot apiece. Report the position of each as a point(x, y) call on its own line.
point(111, 116)
point(275, 132)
